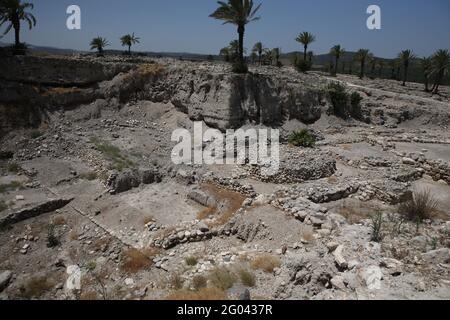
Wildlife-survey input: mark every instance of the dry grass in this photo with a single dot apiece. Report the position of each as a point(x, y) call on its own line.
point(222, 278)
point(60, 91)
point(147, 220)
point(208, 294)
point(101, 243)
point(89, 176)
point(332, 180)
point(134, 260)
point(421, 206)
point(233, 201)
point(36, 287)
point(347, 147)
point(59, 221)
point(191, 261)
point(175, 281)
point(206, 213)
point(199, 282)
point(89, 296)
point(247, 278)
point(307, 233)
point(266, 262)
point(73, 235)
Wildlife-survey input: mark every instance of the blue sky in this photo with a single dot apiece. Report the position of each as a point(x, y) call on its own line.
point(184, 25)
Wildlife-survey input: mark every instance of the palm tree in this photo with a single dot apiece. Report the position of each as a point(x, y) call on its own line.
point(239, 13)
point(373, 63)
point(441, 67)
point(129, 40)
point(405, 58)
point(362, 56)
point(225, 53)
point(305, 38)
point(99, 44)
point(380, 68)
point(258, 49)
point(427, 66)
point(12, 12)
point(337, 52)
point(310, 56)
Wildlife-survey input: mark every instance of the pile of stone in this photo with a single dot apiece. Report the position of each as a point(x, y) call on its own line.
point(297, 165)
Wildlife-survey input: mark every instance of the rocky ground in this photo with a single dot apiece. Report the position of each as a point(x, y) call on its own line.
point(87, 186)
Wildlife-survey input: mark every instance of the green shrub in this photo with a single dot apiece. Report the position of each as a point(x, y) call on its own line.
point(13, 167)
point(355, 102)
point(114, 154)
point(302, 138)
point(339, 99)
point(3, 205)
point(35, 133)
point(14, 185)
point(377, 224)
point(52, 239)
point(302, 65)
point(239, 67)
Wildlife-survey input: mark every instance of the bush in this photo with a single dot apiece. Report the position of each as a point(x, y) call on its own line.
point(52, 239)
point(355, 102)
point(239, 67)
point(199, 282)
point(302, 138)
point(20, 49)
point(13, 167)
point(35, 133)
point(377, 223)
point(421, 206)
point(134, 260)
point(247, 278)
point(222, 278)
point(302, 65)
point(36, 287)
point(266, 262)
point(3, 205)
point(339, 99)
point(191, 261)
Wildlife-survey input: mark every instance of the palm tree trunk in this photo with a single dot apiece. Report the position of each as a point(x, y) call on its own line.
point(438, 82)
point(405, 75)
point(336, 66)
point(305, 52)
point(16, 25)
point(241, 31)
point(426, 84)
point(361, 75)
point(129, 49)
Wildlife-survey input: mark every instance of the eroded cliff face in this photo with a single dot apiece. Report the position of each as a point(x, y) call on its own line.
point(221, 99)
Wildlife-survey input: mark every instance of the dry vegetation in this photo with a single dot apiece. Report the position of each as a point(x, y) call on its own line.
point(232, 200)
point(134, 260)
point(36, 287)
point(266, 262)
